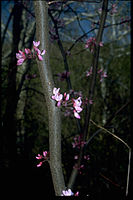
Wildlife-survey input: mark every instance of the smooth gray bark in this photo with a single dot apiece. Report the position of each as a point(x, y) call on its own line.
point(41, 15)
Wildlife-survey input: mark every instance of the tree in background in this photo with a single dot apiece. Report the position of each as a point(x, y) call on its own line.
point(82, 64)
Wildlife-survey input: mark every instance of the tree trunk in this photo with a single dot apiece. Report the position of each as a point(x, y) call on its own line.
point(41, 15)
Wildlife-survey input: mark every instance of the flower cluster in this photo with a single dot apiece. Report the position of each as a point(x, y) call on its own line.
point(74, 105)
point(28, 54)
point(113, 9)
point(100, 72)
point(79, 168)
point(78, 142)
point(91, 42)
point(43, 158)
point(88, 73)
point(62, 76)
point(69, 193)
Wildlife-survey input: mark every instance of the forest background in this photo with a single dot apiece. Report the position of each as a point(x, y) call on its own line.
point(24, 130)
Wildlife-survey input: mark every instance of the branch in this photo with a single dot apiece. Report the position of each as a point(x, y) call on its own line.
point(6, 27)
point(108, 122)
point(129, 148)
point(95, 66)
point(41, 15)
point(64, 1)
point(63, 53)
point(106, 26)
point(91, 89)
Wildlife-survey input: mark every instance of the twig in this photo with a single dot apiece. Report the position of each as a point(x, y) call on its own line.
point(129, 148)
point(117, 185)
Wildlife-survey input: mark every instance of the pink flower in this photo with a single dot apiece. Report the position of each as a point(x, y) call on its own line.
point(57, 96)
point(20, 61)
point(76, 194)
point(100, 10)
point(86, 157)
point(77, 102)
point(90, 43)
point(103, 75)
point(90, 101)
point(99, 71)
point(77, 109)
point(65, 99)
point(27, 51)
point(88, 73)
point(76, 157)
point(39, 53)
point(39, 156)
point(66, 96)
point(114, 9)
point(101, 44)
point(67, 193)
point(45, 153)
point(76, 114)
point(36, 44)
point(43, 158)
point(21, 57)
point(39, 165)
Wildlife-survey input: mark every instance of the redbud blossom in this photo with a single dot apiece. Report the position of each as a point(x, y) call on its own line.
point(39, 165)
point(90, 101)
point(45, 153)
point(76, 157)
point(101, 44)
point(57, 96)
point(67, 193)
point(39, 156)
point(88, 73)
point(103, 75)
point(43, 158)
point(21, 57)
point(27, 51)
point(36, 44)
point(77, 109)
point(28, 54)
point(39, 53)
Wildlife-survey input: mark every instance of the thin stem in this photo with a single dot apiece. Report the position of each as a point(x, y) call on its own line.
point(129, 148)
point(95, 66)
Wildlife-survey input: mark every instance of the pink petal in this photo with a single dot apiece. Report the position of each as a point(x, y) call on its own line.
point(76, 194)
point(40, 57)
point(101, 44)
point(59, 103)
point(36, 44)
point(43, 52)
point(20, 61)
point(75, 157)
point(76, 115)
point(27, 51)
point(18, 56)
point(78, 109)
point(39, 165)
point(45, 153)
